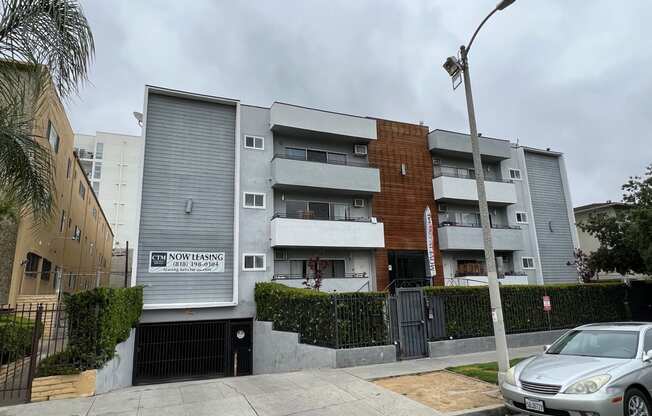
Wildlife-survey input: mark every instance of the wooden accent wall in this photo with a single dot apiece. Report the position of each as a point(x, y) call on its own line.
point(402, 199)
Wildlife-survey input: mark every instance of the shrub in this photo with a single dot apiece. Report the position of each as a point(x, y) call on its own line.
point(99, 319)
point(335, 320)
point(16, 335)
point(467, 310)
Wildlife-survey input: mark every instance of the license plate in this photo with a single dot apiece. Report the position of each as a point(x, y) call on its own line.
point(534, 405)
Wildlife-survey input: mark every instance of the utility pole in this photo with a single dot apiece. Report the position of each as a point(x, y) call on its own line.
point(454, 67)
point(126, 263)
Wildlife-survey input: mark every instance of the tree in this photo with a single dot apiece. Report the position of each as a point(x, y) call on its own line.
point(581, 262)
point(44, 45)
point(626, 237)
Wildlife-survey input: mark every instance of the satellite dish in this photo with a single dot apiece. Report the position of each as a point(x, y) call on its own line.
point(139, 117)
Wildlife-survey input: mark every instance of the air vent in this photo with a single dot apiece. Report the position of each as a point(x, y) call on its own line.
point(358, 203)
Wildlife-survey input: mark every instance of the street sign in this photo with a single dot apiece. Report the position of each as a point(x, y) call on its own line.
point(547, 306)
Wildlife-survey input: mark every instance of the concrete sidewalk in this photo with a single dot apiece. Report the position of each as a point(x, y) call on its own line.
point(304, 393)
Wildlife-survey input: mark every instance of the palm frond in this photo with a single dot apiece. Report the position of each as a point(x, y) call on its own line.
point(53, 33)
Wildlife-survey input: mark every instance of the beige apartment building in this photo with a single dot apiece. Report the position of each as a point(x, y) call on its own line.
point(72, 251)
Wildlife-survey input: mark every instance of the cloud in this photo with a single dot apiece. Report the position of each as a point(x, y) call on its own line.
point(556, 74)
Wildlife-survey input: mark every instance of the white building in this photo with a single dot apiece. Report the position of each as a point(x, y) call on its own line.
point(112, 163)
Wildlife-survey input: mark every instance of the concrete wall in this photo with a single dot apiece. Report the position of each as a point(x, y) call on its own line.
point(118, 372)
point(278, 352)
point(470, 238)
point(459, 143)
point(300, 173)
point(460, 189)
point(285, 115)
point(318, 233)
point(480, 344)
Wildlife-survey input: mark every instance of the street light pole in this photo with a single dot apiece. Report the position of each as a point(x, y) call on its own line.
point(490, 259)
point(454, 67)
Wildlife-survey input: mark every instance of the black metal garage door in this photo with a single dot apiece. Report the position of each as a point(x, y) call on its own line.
point(173, 351)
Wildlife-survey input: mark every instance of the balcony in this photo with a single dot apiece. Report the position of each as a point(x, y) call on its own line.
point(469, 237)
point(349, 176)
point(346, 282)
point(308, 122)
point(336, 233)
point(452, 184)
point(455, 144)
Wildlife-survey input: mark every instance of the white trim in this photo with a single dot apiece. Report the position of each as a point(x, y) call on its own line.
point(244, 200)
point(523, 213)
point(520, 174)
point(139, 199)
point(262, 139)
point(157, 306)
point(236, 207)
point(534, 266)
point(569, 203)
point(533, 228)
point(254, 269)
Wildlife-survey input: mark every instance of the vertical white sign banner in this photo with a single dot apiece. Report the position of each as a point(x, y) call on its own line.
point(430, 244)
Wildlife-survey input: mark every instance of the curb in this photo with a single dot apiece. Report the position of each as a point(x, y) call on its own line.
point(493, 410)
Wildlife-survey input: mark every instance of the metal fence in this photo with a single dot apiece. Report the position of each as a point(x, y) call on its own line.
point(30, 333)
point(361, 321)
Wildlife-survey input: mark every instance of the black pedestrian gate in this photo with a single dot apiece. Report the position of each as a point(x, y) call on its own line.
point(410, 316)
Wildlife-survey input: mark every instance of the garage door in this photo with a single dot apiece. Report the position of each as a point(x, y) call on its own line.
point(173, 351)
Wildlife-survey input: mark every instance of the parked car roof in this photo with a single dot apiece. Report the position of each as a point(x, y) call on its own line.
point(618, 326)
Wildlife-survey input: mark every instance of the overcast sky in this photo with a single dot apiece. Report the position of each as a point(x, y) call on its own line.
point(570, 75)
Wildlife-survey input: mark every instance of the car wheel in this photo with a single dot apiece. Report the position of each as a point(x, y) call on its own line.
point(636, 403)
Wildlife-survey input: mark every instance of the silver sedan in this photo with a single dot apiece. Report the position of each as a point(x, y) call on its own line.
point(592, 370)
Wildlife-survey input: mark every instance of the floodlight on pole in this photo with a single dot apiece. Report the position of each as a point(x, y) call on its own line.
point(454, 67)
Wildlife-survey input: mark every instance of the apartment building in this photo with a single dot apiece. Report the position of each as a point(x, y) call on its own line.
point(530, 211)
point(235, 194)
point(72, 251)
point(112, 162)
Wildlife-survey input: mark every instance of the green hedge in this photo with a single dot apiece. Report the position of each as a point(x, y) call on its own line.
point(16, 335)
point(335, 320)
point(467, 310)
point(99, 319)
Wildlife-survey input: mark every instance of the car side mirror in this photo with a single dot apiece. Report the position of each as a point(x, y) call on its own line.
point(647, 356)
point(546, 348)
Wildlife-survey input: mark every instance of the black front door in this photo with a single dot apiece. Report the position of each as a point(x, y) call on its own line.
point(241, 348)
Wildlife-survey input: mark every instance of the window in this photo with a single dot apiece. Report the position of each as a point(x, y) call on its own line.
point(254, 200)
point(94, 212)
point(294, 153)
point(97, 171)
point(82, 190)
point(69, 168)
point(87, 166)
point(99, 150)
point(647, 342)
point(337, 158)
point(528, 262)
point(521, 217)
point(253, 262)
point(53, 137)
point(96, 187)
point(45, 269)
point(31, 264)
point(77, 234)
point(317, 156)
point(254, 142)
point(62, 223)
point(515, 174)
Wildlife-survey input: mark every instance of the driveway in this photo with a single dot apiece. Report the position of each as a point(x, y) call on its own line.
point(305, 393)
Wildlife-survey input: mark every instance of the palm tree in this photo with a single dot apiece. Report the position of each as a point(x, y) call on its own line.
point(44, 45)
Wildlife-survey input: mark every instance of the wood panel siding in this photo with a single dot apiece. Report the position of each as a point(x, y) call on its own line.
point(403, 199)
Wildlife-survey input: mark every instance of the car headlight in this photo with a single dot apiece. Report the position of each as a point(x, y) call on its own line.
point(588, 385)
point(510, 376)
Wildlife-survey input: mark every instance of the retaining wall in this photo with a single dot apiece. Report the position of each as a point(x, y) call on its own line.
point(63, 387)
point(279, 351)
point(118, 372)
point(480, 344)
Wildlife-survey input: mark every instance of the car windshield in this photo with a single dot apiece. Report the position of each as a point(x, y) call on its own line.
point(597, 343)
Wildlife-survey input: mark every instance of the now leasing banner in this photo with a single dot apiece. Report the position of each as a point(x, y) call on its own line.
point(186, 262)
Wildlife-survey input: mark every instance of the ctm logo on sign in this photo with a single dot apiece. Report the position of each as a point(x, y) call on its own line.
point(159, 259)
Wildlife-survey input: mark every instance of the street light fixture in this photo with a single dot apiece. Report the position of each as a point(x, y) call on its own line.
point(456, 67)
